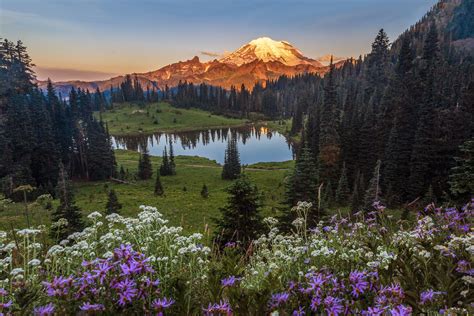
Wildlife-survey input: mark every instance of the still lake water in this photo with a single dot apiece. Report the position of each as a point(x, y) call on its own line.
point(255, 144)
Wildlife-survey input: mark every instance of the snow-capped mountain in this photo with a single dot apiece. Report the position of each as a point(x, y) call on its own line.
point(267, 49)
point(257, 61)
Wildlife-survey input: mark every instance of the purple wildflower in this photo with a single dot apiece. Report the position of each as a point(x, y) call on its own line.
point(3, 292)
point(374, 311)
point(162, 303)
point(279, 299)
point(223, 307)
point(230, 281)
point(6, 305)
point(315, 303)
point(101, 271)
point(429, 296)
point(92, 307)
point(44, 310)
point(333, 306)
point(127, 291)
point(401, 310)
point(359, 283)
point(299, 312)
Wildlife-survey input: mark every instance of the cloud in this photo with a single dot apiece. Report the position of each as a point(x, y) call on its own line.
point(210, 54)
point(65, 74)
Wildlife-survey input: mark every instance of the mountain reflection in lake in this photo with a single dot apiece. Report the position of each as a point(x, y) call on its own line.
point(255, 143)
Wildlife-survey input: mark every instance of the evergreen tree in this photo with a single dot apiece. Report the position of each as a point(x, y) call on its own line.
point(329, 142)
point(373, 192)
point(172, 165)
point(240, 219)
point(461, 179)
point(301, 186)
point(342, 192)
point(145, 170)
point(165, 167)
point(158, 186)
point(232, 168)
point(67, 208)
point(113, 205)
point(204, 191)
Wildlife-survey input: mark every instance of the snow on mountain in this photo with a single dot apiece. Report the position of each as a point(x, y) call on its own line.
point(267, 49)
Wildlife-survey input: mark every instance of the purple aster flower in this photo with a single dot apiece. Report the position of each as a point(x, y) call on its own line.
point(359, 283)
point(127, 291)
point(333, 306)
point(6, 305)
point(279, 299)
point(230, 281)
point(401, 310)
point(44, 310)
point(429, 296)
point(92, 307)
point(101, 271)
point(59, 286)
point(162, 303)
point(315, 303)
point(230, 244)
point(299, 312)
point(374, 311)
point(3, 292)
point(223, 307)
point(462, 266)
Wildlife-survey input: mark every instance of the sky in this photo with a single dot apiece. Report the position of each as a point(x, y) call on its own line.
point(96, 39)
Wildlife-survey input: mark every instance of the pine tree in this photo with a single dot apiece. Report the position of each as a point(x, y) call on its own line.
point(67, 208)
point(113, 205)
point(232, 168)
point(301, 186)
point(158, 186)
point(145, 170)
point(342, 192)
point(165, 167)
point(172, 165)
point(461, 179)
point(373, 192)
point(329, 142)
point(240, 219)
point(204, 191)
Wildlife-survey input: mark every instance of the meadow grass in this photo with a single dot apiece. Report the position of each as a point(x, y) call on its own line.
point(182, 202)
point(132, 119)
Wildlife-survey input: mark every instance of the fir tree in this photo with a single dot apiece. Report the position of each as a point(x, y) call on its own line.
point(240, 219)
point(172, 165)
point(342, 192)
point(301, 186)
point(204, 191)
point(113, 205)
point(232, 168)
point(165, 167)
point(158, 186)
point(461, 179)
point(373, 192)
point(67, 208)
point(145, 170)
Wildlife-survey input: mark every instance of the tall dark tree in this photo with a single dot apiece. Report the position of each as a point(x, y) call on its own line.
point(67, 208)
point(240, 219)
point(461, 179)
point(113, 205)
point(374, 190)
point(145, 170)
point(231, 169)
point(343, 192)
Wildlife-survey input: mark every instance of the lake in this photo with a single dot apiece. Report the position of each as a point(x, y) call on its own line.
point(255, 144)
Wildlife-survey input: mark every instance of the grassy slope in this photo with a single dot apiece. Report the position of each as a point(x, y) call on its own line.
point(186, 208)
point(132, 119)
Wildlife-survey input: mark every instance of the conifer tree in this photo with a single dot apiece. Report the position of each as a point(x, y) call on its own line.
point(158, 186)
point(373, 192)
point(232, 168)
point(461, 179)
point(301, 186)
point(204, 191)
point(342, 192)
point(113, 205)
point(240, 219)
point(145, 170)
point(165, 167)
point(67, 208)
point(172, 165)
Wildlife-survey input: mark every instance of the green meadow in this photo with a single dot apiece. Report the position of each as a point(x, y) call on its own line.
point(132, 119)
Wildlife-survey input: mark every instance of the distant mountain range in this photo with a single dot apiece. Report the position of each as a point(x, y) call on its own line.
point(257, 61)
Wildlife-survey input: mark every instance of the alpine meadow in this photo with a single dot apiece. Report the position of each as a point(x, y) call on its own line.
point(136, 179)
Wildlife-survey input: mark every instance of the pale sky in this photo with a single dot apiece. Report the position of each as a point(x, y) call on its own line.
point(94, 39)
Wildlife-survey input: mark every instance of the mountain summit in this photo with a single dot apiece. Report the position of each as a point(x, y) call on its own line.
point(267, 50)
point(259, 60)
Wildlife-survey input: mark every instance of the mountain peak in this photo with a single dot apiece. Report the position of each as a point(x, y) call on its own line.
point(267, 49)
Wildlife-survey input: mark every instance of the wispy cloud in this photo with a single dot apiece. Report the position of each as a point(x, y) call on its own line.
point(210, 54)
